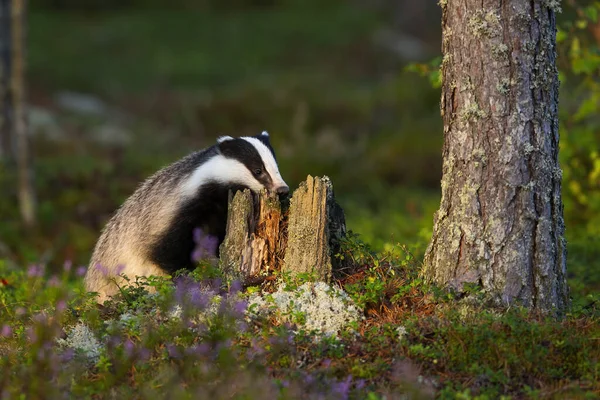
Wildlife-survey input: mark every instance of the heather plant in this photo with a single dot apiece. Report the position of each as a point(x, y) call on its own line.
point(199, 336)
point(188, 338)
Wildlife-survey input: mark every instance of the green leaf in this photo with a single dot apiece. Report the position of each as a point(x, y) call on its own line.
point(592, 12)
point(581, 24)
point(588, 107)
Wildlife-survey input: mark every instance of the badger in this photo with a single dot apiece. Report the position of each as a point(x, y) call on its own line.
point(152, 232)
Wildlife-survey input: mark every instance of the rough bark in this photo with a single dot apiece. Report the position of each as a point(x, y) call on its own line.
point(314, 221)
point(251, 244)
point(6, 151)
point(500, 221)
point(14, 147)
point(262, 239)
point(25, 187)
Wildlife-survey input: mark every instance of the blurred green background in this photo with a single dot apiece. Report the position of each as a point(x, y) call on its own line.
point(120, 88)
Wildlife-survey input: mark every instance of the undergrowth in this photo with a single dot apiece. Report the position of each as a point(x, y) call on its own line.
point(193, 337)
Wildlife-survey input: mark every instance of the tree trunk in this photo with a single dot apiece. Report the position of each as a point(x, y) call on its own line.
point(262, 239)
point(6, 151)
point(19, 117)
point(500, 222)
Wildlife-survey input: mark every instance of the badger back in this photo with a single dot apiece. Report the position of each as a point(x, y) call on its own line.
point(126, 240)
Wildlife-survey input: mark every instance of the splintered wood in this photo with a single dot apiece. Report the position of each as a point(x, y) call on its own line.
point(250, 244)
point(262, 238)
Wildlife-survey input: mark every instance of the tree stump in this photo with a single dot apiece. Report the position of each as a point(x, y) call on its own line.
point(263, 236)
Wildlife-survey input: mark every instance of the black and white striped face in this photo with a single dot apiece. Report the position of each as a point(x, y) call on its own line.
point(248, 161)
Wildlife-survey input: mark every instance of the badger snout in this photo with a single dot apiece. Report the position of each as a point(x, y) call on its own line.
point(282, 190)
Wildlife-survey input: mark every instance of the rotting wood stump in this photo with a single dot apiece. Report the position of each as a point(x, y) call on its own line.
point(265, 236)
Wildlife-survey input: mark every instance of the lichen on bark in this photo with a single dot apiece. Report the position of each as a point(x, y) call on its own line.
point(500, 222)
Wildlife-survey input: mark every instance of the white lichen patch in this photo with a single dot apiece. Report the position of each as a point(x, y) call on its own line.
point(447, 59)
point(558, 173)
point(528, 148)
point(467, 84)
point(471, 112)
point(554, 5)
point(500, 51)
point(401, 333)
point(83, 341)
point(318, 306)
point(484, 24)
point(447, 34)
point(503, 86)
point(204, 313)
point(129, 320)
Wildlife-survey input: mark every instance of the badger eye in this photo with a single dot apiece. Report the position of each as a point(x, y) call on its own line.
point(258, 171)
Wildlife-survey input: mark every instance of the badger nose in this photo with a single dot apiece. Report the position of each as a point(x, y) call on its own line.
point(282, 190)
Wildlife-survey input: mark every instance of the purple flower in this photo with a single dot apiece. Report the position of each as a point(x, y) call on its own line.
point(183, 287)
point(54, 281)
point(31, 335)
point(128, 348)
point(6, 331)
point(326, 362)
point(113, 341)
point(309, 379)
point(120, 269)
point(61, 305)
point(67, 266)
point(35, 271)
point(67, 355)
point(240, 307)
point(199, 350)
point(200, 299)
point(102, 269)
point(242, 326)
point(81, 271)
point(203, 348)
point(236, 287)
point(206, 245)
point(173, 351)
point(144, 354)
point(343, 388)
point(40, 318)
point(215, 283)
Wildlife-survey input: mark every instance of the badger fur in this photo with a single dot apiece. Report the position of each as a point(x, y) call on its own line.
point(152, 232)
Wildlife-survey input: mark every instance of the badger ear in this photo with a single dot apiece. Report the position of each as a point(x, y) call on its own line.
point(221, 139)
point(264, 133)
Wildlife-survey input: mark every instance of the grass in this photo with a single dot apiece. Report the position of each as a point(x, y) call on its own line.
point(122, 52)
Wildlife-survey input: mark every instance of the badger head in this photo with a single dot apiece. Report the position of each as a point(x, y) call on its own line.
point(252, 162)
point(247, 161)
